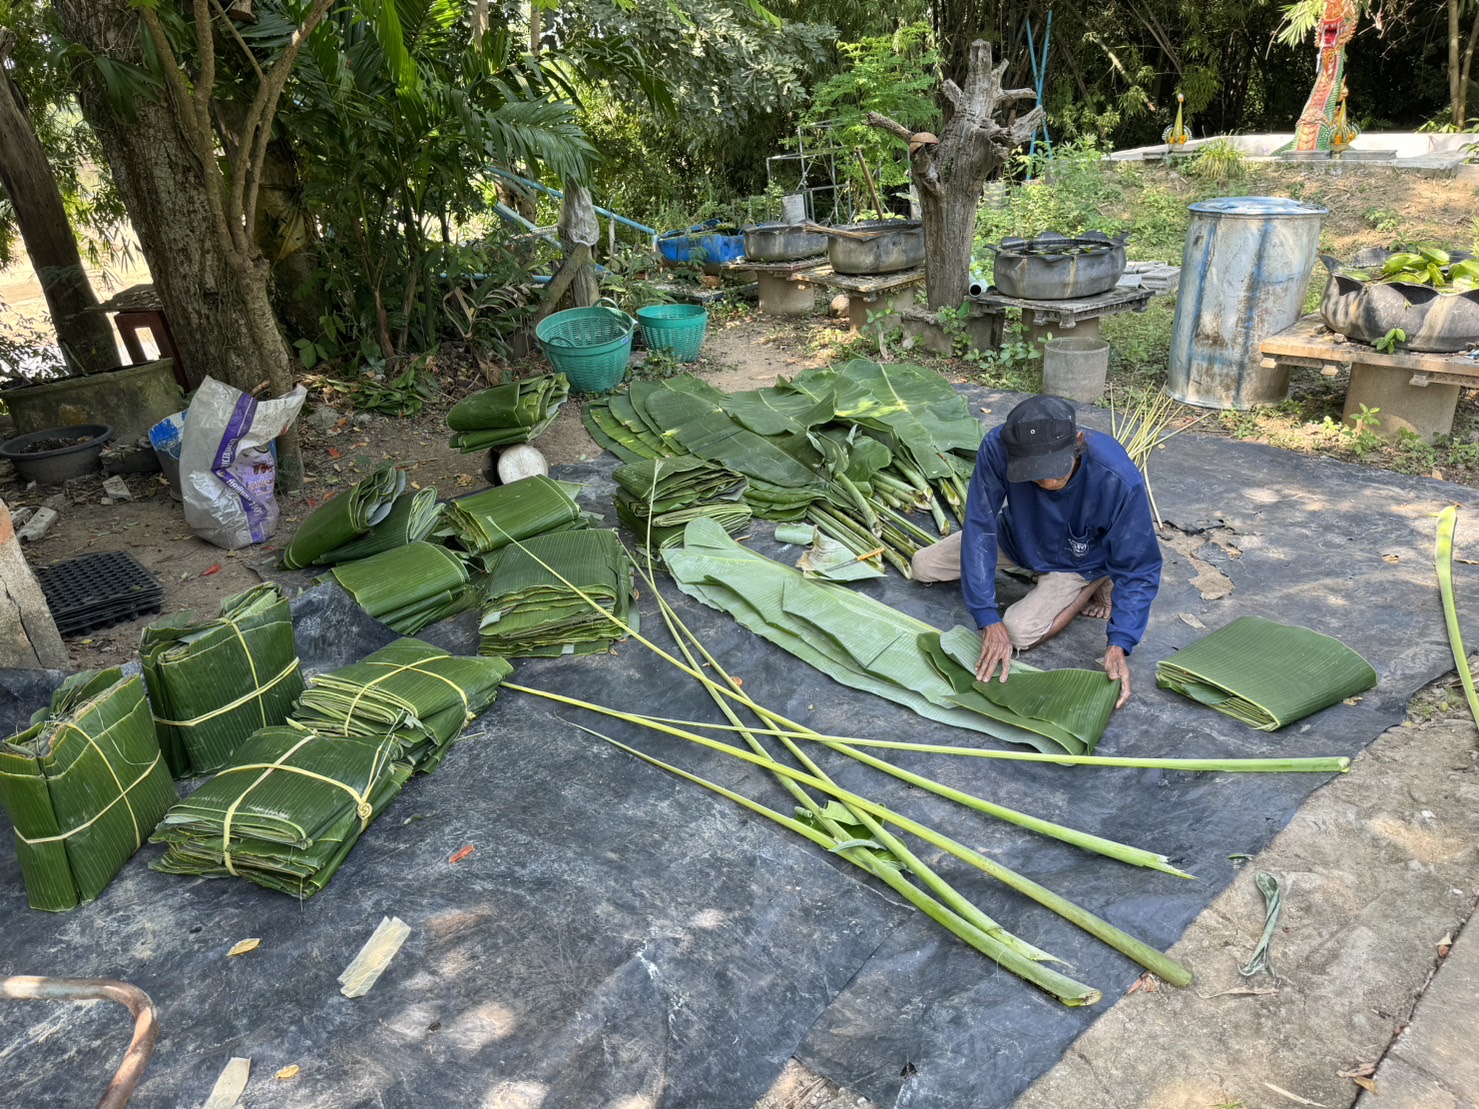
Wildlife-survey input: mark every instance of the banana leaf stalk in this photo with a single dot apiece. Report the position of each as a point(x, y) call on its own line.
point(1158, 963)
point(1313, 765)
point(1443, 560)
point(823, 815)
point(1143, 428)
point(1065, 989)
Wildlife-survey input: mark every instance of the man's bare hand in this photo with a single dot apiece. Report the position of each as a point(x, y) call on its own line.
point(1117, 665)
point(996, 650)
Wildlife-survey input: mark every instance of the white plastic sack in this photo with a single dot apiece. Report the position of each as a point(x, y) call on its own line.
point(227, 471)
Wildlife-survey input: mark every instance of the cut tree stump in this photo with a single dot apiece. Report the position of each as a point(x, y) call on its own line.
point(28, 635)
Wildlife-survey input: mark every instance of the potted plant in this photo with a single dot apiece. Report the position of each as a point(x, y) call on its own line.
point(1428, 295)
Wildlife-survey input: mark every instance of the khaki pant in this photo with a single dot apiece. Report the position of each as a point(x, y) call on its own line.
point(1030, 618)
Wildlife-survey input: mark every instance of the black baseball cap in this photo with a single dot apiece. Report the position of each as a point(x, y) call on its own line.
point(1039, 435)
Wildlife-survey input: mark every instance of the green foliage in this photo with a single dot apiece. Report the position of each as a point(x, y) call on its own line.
point(1388, 342)
point(403, 394)
point(1381, 220)
point(1219, 161)
point(894, 75)
point(1066, 189)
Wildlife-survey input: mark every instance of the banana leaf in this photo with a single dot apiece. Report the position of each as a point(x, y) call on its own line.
point(507, 414)
point(409, 587)
point(412, 517)
point(419, 694)
point(496, 517)
point(1071, 707)
point(288, 814)
point(213, 683)
point(915, 407)
point(852, 638)
point(83, 786)
point(535, 608)
point(613, 436)
point(1266, 674)
point(345, 517)
point(660, 496)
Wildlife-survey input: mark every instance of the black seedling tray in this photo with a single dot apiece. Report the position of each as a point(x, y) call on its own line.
point(98, 590)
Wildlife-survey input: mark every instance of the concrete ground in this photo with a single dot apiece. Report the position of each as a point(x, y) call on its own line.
point(1372, 999)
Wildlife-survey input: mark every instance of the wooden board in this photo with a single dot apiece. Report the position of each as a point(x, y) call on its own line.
point(861, 284)
point(1119, 299)
point(779, 269)
point(1307, 342)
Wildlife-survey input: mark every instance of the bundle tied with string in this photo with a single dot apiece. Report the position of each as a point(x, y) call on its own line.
point(287, 814)
point(84, 785)
point(419, 695)
point(213, 683)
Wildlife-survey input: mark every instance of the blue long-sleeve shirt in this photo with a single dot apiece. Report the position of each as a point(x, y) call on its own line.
point(1098, 525)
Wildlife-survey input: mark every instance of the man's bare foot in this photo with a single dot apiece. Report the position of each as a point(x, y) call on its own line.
point(1100, 605)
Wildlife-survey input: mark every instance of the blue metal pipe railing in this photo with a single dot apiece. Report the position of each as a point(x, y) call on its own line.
point(558, 195)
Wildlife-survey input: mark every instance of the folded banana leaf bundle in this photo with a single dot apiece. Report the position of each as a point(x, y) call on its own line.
point(412, 517)
point(418, 694)
point(84, 786)
point(862, 643)
point(660, 496)
point(344, 518)
point(1266, 674)
point(287, 814)
point(507, 414)
point(409, 587)
point(496, 517)
point(214, 682)
point(534, 604)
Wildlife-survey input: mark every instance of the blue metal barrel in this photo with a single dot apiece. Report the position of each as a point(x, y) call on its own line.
point(1243, 278)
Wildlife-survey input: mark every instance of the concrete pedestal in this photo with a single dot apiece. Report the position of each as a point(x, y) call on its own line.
point(780, 296)
point(1040, 333)
point(1425, 410)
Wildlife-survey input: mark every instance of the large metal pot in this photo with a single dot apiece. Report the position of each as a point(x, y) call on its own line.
point(876, 246)
point(782, 242)
point(1434, 322)
point(1054, 266)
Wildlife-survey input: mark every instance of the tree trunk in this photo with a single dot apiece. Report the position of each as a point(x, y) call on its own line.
point(28, 635)
point(949, 174)
point(85, 336)
point(218, 306)
point(1455, 34)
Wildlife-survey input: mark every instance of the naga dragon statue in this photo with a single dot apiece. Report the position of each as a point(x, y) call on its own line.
point(1318, 122)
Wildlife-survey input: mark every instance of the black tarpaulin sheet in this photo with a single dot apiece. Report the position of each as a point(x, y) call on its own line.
point(618, 934)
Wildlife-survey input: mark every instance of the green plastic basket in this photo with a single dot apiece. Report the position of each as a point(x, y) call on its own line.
point(590, 346)
point(677, 328)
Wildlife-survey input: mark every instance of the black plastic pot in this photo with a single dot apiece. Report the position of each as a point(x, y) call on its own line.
point(782, 242)
point(1434, 322)
point(876, 246)
point(56, 466)
point(1054, 266)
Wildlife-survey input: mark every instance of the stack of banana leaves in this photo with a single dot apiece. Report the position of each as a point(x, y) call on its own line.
point(859, 450)
point(419, 695)
point(507, 414)
point(658, 496)
point(84, 786)
point(412, 517)
point(409, 587)
point(1266, 674)
point(344, 518)
point(287, 813)
point(865, 644)
point(492, 519)
point(214, 682)
point(564, 593)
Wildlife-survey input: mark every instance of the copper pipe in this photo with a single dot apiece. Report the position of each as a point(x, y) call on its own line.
point(135, 1000)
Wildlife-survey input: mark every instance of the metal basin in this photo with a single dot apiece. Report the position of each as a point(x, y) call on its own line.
point(782, 242)
point(876, 246)
point(1059, 267)
point(1434, 322)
